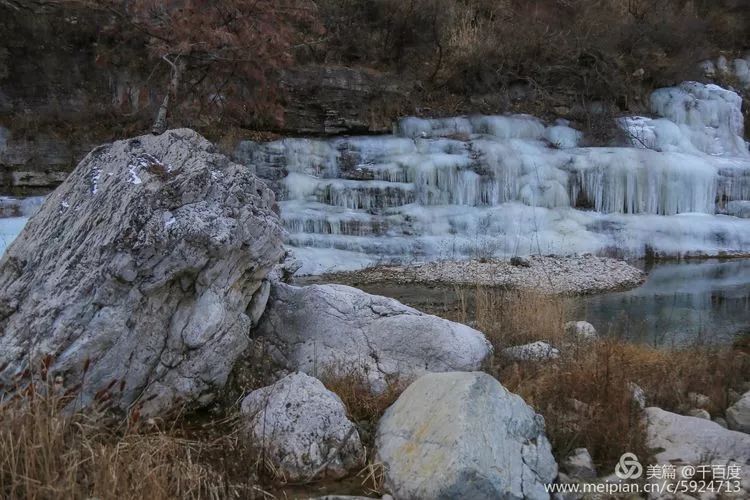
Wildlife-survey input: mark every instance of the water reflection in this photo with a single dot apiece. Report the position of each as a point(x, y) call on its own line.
point(680, 303)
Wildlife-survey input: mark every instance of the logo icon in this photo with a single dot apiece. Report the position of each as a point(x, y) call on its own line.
point(628, 467)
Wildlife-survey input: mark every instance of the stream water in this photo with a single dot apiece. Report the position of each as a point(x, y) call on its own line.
point(680, 303)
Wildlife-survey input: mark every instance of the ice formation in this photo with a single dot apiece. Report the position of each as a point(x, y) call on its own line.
point(738, 69)
point(14, 212)
point(487, 186)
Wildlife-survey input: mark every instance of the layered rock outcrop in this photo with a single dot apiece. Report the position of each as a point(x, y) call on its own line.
point(137, 276)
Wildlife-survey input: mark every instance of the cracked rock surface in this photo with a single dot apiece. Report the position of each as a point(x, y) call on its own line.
point(463, 435)
point(302, 428)
point(141, 267)
point(321, 329)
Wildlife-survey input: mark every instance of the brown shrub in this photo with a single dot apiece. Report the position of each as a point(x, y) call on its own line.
point(606, 51)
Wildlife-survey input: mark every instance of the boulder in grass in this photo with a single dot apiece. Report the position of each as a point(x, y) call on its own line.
point(302, 428)
point(579, 464)
point(535, 351)
point(463, 435)
point(140, 270)
point(738, 415)
point(580, 330)
point(692, 440)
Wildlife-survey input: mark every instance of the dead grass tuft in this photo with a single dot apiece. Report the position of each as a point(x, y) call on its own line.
point(512, 317)
point(49, 452)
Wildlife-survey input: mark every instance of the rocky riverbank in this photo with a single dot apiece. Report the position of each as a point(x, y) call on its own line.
point(586, 274)
point(152, 283)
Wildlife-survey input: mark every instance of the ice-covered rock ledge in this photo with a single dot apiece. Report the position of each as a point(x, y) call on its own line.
point(457, 188)
point(565, 275)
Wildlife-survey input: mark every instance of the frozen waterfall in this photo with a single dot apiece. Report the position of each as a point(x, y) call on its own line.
point(489, 186)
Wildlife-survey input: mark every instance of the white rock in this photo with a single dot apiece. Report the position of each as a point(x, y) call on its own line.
point(535, 351)
point(582, 330)
point(341, 329)
point(699, 413)
point(738, 415)
point(463, 435)
point(302, 428)
point(699, 400)
point(690, 440)
point(722, 422)
point(579, 464)
point(156, 312)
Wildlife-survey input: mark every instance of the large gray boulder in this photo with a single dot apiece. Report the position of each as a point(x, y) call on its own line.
point(463, 435)
point(738, 415)
point(336, 329)
point(692, 444)
point(301, 427)
point(692, 440)
point(140, 270)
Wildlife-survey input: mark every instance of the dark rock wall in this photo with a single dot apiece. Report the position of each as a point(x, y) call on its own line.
point(68, 83)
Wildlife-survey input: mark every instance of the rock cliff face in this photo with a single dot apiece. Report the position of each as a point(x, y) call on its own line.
point(338, 100)
point(58, 99)
point(62, 92)
point(138, 274)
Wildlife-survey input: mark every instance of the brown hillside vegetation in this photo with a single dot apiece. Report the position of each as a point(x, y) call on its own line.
point(570, 58)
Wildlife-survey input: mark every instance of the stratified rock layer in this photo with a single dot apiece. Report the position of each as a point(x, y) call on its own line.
point(138, 271)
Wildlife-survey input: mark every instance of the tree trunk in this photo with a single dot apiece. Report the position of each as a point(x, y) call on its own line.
point(160, 123)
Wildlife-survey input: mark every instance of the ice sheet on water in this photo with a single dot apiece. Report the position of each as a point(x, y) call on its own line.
point(460, 232)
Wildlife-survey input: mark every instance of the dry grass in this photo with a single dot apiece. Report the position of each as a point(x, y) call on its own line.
point(512, 317)
point(362, 404)
point(47, 452)
point(365, 407)
point(586, 396)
